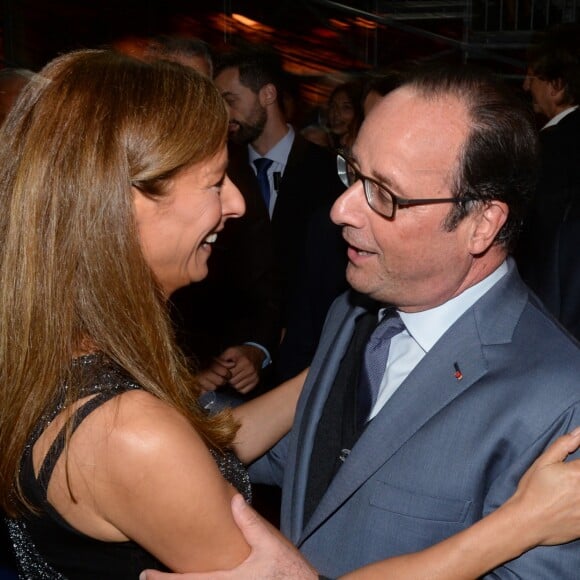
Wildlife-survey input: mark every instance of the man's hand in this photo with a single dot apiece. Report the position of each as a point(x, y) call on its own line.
point(272, 557)
point(218, 374)
point(245, 362)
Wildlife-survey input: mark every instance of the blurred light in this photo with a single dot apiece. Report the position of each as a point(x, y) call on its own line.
point(240, 23)
point(338, 23)
point(364, 23)
point(245, 20)
point(325, 33)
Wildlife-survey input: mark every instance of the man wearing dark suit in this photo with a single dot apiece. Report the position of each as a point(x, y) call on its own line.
point(553, 81)
point(301, 177)
point(475, 378)
point(558, 281)
point(322, 281)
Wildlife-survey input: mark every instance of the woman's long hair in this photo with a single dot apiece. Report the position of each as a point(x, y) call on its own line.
point(86, 129)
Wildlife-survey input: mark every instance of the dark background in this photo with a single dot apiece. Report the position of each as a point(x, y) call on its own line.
point(321, 41)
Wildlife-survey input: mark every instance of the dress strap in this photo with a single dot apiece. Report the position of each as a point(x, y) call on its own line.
point(74, 421)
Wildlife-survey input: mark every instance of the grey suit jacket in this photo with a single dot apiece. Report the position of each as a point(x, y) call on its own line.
point(444, 451)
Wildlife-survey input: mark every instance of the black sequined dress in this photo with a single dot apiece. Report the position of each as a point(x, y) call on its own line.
point(46, 546)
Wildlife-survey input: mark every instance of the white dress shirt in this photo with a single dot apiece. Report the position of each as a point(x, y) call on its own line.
point(279, 155)
point(422, 331)
point(557, 118)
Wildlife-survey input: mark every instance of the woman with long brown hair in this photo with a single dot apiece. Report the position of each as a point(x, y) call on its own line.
point(114, 185)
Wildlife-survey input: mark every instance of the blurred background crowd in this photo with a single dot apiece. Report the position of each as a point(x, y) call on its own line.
point(322, 42)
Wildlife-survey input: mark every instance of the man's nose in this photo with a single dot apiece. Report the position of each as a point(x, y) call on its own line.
point(347, 208)
point(526, 83)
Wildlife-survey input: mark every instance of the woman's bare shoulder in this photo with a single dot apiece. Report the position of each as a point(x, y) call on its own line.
point(139, 470)
point(163, 488)
point(137, 428)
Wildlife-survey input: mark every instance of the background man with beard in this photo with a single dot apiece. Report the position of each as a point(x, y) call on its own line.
point(302, 176)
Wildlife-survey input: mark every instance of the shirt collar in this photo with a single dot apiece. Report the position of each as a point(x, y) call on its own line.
point(555, 120)
point(428, 326)
point(280, 152)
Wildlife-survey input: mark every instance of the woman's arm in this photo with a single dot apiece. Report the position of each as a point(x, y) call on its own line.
point(545, 510)
point(266, 419)
point(139, 471)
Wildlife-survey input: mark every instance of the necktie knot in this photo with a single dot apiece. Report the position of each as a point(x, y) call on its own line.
point(262, 165)
point(390, 325)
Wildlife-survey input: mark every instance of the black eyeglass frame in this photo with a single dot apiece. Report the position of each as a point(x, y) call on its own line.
point(344, 164)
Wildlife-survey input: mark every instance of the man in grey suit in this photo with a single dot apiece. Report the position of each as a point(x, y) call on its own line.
point(479, 379)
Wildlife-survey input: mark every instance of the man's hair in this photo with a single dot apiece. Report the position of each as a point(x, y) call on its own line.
point(257, 67)
point(499, 158)
point(557, 59)
point(166, 47)
point(88, 130)
point(382, 82)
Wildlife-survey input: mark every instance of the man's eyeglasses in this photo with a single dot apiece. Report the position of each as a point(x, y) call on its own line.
point(379, 198)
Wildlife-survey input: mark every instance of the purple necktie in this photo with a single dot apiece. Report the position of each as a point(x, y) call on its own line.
point(375, 361)
point(262, 165)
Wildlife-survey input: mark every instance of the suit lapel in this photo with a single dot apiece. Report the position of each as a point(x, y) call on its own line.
point(320, 380)
point(293, 167)
point(430, 387)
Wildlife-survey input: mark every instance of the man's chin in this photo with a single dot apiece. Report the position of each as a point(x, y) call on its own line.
point(357, 281)
point(537, 109)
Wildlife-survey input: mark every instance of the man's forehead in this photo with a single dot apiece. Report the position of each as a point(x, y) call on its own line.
point(401, 94)
point(407, 126)
point(230, 74)
point(405, 107)
point(407, 99)
point(229, 80)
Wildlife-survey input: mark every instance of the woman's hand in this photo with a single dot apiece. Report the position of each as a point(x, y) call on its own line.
point(549, 494)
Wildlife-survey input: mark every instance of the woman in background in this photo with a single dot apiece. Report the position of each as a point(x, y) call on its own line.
point(344, 114)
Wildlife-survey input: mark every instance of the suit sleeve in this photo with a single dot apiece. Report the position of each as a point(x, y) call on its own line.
point(269, 469)
point(562, 562)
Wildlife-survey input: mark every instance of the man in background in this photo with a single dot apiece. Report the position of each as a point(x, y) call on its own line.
point(296, 177)
point(299, 184)
point(553, 81)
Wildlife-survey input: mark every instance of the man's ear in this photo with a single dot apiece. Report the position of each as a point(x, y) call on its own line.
point(267, 95)
point(487, 222)
point(558, 91)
